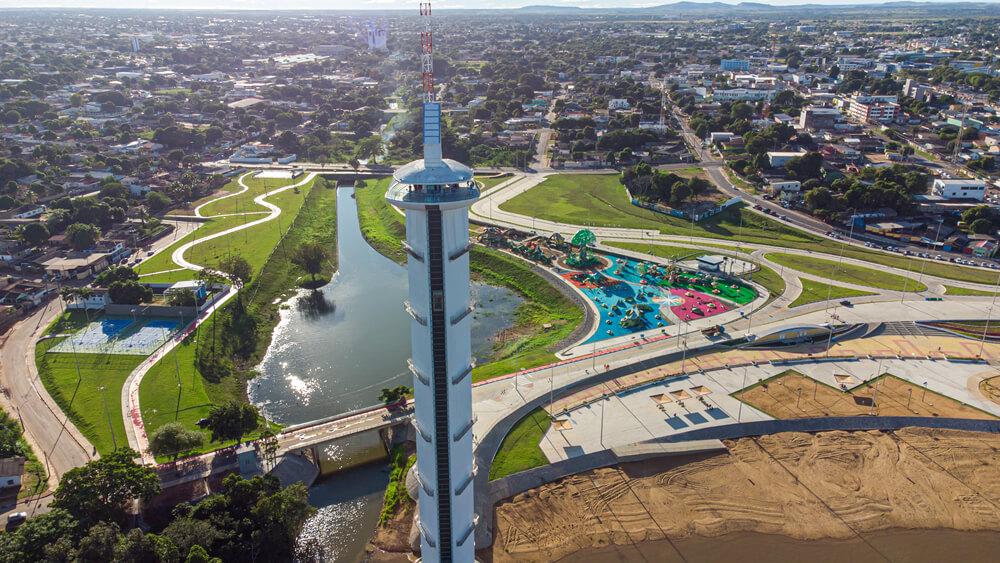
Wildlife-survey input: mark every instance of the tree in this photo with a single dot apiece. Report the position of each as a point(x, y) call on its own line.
point(678, 193)
point(120, 274)
point(819, 199)
point(138, 547)
point(157, 201)
point(394, 395)
point(35, 233)
point(82, 235)
point(269, 445)
point(129, 293)
point(981, 226)
point(368, 149)
point(174, 439)
point(76, 100)
point(237, 270)
point(231, 420)
point(99, 543)
point(98, 491)
point(183, 297)
point(31, 541)
point(310, 257)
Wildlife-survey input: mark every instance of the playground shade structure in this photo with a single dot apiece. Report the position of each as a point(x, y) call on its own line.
point(119, 336)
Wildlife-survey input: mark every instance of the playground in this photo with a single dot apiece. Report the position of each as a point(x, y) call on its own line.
point(120, 336)
point(634, 296)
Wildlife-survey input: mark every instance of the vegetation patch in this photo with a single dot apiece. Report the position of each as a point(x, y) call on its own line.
point(381, 225)
point(813, 291)
point(520, 449)
point(395, 492)
point(844, 272)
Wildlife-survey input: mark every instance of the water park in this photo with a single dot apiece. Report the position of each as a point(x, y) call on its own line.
point(632, 296)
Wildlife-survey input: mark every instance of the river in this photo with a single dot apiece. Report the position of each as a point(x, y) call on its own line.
point(334, 350)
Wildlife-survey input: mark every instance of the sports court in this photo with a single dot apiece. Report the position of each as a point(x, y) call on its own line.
point(119, 336)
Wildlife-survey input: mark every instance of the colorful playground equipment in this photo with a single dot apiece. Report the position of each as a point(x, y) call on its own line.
point(585, 258)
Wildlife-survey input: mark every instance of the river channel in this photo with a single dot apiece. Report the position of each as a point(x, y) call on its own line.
point(334, 350)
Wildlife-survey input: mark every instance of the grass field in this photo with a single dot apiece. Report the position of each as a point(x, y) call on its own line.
point(952, 290)
point(381, 225)
point(596, 199)
point(519, 450)
point(489, 182)
point(599, 200)
point(845, 272)
point(244, 203)
point(813, 291)
point(771, 281)
point(81, 398)
point(660, 250)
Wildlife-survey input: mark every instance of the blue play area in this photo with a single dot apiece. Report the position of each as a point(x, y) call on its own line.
point(119, 336)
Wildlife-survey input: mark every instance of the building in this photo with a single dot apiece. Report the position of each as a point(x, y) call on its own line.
point(776, 186)
point(914, 90)
point(959, 189)
point(866, 109)
point(805, 28)
point(748, 94)
point(815, 117)
point(618, 103)
point(779, 159)
point(735, 64)
point(11, 470)
point(436, 195)
point(73, 264)
point(710, 263)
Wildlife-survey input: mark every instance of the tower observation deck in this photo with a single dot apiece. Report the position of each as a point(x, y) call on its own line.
point(436, 194)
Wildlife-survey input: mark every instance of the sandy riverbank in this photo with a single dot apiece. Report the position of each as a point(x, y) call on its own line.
point(831, 485)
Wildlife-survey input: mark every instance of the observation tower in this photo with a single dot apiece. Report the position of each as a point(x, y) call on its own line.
point(436, 194)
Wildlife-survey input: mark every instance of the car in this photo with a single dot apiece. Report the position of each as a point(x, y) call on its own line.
point(16, 518)
point(846, 302)
point(939, 257)
point(994, 266)
point(149, 253)
point(783, 217)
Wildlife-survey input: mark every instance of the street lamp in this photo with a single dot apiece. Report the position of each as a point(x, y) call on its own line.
point(106, 411)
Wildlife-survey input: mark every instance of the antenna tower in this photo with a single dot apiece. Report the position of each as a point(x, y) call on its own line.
point(770, 74)
point(427, 52)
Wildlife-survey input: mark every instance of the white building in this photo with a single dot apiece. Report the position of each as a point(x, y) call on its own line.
point(779, 159)
point(960, 189)
point(618, 103)
point(776, 186)
point(748, 94)
point(436, 195)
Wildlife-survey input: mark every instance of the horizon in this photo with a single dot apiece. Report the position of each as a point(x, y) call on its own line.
point(399, 5)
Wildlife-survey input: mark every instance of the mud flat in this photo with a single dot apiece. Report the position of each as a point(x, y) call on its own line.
point(839, 487)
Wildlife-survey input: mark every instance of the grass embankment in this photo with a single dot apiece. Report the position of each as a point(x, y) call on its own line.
point(844, 272)
point(381, 225)
point(383, 228)
point(813, 291)
point(598, 200)
point(520, 449)
point(660, 250)
point(188, 208)
point(395, 492)
point(543, 304)
point(80, 397)
point(277, 280)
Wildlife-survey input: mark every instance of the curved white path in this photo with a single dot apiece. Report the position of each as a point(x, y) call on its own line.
point(135, 428)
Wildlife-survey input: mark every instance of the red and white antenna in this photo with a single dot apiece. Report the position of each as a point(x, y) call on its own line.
point(427, 52)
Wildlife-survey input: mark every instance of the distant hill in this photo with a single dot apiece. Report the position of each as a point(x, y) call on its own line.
point(542, 8)
point(721, 8)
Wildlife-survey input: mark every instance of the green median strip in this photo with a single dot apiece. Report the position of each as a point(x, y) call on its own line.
point(843, 272)
point(520, 448)
point(813, 291)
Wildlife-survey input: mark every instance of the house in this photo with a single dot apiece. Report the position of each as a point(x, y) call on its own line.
point(776, 186)
point(720, 136)
point(959, 189)
point(814, 117)
point(11, 470)
point(17, 291)
point(73, 264)
point(97, 299)
point(618, 103)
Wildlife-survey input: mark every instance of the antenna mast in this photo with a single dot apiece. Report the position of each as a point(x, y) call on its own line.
point(427, 52)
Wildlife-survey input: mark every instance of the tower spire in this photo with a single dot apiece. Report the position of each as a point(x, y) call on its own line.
point(432, 109)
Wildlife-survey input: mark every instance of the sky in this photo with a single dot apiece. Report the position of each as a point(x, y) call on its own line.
point(372, 4)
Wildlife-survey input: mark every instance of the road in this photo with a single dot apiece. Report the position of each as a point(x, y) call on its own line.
point(55, 440)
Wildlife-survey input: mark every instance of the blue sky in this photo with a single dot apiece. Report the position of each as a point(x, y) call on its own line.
point(365, 4)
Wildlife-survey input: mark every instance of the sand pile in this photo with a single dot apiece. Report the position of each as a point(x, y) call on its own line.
point(828, 485)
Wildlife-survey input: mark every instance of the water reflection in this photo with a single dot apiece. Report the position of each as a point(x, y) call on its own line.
point(314, 304)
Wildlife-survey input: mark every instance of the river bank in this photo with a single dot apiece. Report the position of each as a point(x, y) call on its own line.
point(832, 486)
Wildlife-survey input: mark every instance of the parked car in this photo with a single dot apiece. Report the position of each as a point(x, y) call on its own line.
point(16, 518)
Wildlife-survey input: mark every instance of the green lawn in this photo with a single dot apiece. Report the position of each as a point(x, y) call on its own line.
point(80, 398)
point(813, 291)
point(244, 202)
point(952, 290)
point(489, 182)
point(660, 250)
point(543, 304)
point(519, 450)
point(845, 272)
point(771, 281)
point(381, 225)
point(599, 200)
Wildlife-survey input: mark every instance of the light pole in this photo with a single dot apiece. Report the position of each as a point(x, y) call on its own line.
point(798, 399)
point(909, 264)
point(989, 316)
point(908, 397)
point(106, 411)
